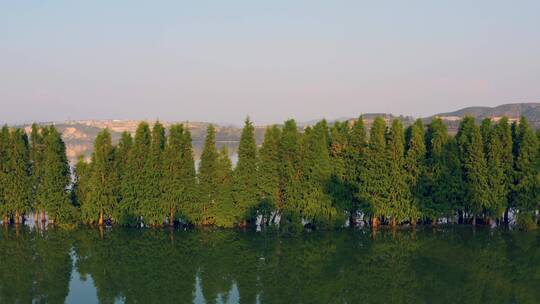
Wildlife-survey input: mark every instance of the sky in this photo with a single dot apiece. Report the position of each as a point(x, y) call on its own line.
point(221, 61)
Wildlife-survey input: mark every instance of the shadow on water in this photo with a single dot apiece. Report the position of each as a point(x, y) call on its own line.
point(447, 265)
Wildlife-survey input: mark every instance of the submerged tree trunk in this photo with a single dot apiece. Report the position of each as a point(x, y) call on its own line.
point(100, 222)
point(171, 217)
point(374, 222)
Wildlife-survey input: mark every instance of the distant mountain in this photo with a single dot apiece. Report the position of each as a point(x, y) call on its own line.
point(79, 135)
point(513, 111)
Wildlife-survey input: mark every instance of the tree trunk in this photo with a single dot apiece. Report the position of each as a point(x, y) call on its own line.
point(17, 217)
point(100, 222)
point(171, 217)
point(394, 222)
point(506, 213)
point(474, 220)
point(37, 216)
point(6, 220)
point(374, 222)
point(43, 215)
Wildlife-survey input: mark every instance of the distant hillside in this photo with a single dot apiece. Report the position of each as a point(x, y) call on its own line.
point(513, 111)
point(79, 135)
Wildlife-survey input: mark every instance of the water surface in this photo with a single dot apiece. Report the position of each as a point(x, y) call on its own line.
point(446, 265)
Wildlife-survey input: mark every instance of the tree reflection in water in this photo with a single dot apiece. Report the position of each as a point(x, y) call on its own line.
point(448, 265)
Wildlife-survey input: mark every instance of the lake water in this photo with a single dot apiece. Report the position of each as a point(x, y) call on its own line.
point(456, 264)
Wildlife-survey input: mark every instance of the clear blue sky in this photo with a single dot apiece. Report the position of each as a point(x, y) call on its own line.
point(222, 60)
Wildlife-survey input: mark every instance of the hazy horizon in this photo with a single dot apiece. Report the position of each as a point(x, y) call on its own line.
point(222, 61)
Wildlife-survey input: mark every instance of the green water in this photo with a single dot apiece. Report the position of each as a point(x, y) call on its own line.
point(446, 265)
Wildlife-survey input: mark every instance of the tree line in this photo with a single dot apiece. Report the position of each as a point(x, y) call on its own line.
point(320, 177)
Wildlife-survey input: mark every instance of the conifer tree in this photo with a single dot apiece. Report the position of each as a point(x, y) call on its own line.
point(526, 168)
point(102, 197)
point(339, 187)
point(208, 179)
point(474, 167)
point(52, 192)
point(415, 165)
point(121, 162)
point(18, 189)
point(496, 176)
point(398, 206)
point(225, 210)
point(315, 205)
point(269, 165)
point(374, 181)
point(290, 173)
point(122, 151)
point(442, 183)
point(150, 209)
point(189, 195)
point(486, 130)
point(4, 169)
point(172, 182)
point(245, 188)
point(136, 178)
point(503, 131)
point(354, 156)
point(82, 182)
point(36, 162)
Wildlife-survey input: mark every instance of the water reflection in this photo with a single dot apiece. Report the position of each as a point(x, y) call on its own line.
point(449, 265)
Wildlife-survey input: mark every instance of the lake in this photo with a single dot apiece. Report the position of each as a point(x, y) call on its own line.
point(453, 264)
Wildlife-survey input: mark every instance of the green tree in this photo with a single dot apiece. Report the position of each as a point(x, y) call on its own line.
point(289, 174)
point(208, 179)
point(82, 182)
point(225, 210)
point(316, 206)
point(173, 178)
point(135, 182)
point(4, 169)
point(415, 165)
point(475, 168)
point(245, 188)
point(504, 133)
point(526, 168)
point(398, 206)
point(374, 181)
point(121, 163)
point(18, 191)
point(269, 165)
point(189, 194)
point(102, 198)
point(356, 148)
point(497, 201)
point(153, 169)
point(442, 184)
point(52, 192)
point(37, 148)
